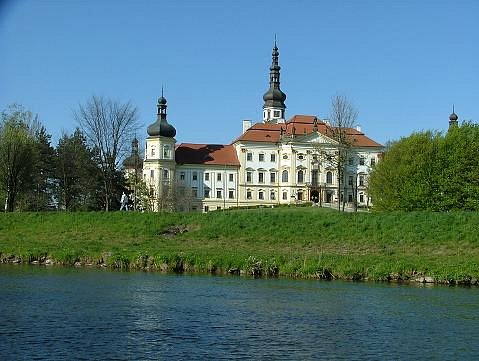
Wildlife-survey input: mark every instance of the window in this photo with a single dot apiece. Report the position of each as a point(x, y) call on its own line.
point(329, 178)
point(231, 194)
point(182, 176)
point(361, 180)
point(350, 197)
point(272, 177)
point(300, 156)
point(249, 177)
point(207, 208)
point(219, 193)
point(194, 191)
point(260, 195)
point(261, 177)
point(361, 160)
point(231, 177)
point(272, 196)
point(152, 173)
point(314, 177)
point(351, 161)
point(166, 152)
point(152, 151)
point(249, 156)
point(207, 193)
point(207, 176)
point(285, 156)
point(284, 176)
point(361, 198)
point(276, 113)
point(300, 176)
point(261, 157)
point(285, 195)
point(373, 162)
point(300, 195)
point(248, 194)
point(165, 173)
point(195, 176)
point(350, 180)
point(218, 177)
point(269, 113)
point(273, 157)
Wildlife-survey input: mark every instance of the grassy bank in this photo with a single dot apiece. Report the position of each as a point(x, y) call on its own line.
point(298, 242)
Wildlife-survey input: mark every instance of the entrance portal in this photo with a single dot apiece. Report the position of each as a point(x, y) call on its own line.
point(315, 196)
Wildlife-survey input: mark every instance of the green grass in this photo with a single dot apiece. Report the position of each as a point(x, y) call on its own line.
point(297, 242)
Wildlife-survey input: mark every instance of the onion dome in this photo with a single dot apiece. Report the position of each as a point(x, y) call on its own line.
point(453, 117)
point(274, 97)
point(161, 128)
point(133, 161)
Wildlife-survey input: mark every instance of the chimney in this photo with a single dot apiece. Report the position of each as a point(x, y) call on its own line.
point(246, 125)
point(358, 128)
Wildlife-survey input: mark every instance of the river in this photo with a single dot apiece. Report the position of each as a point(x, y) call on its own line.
point(90, 314)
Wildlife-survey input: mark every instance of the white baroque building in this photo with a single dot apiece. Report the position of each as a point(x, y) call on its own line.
point(275, 161)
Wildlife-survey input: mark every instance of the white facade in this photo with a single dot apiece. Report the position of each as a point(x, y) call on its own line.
point(296, 171)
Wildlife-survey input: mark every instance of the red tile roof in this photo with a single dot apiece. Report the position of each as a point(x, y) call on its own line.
point(301, 125)
point(210, 154)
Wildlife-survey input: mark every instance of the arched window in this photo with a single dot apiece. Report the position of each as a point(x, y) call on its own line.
point(329, 178)
point(300, 176)
point(284, 176)
point(165, 174)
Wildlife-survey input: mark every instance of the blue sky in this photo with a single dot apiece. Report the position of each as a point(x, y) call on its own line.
point(402, 63)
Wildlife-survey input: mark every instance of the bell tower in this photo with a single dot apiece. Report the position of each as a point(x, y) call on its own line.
point(274, 107)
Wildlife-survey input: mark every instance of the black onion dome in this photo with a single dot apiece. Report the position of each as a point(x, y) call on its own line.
point(133, 161)
point(274, 95)
point(453, 117)
point(161, 127)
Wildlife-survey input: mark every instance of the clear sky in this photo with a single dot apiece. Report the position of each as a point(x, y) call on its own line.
point(402, 63)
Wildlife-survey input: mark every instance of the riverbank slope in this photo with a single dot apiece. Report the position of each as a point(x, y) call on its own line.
point(297, 242)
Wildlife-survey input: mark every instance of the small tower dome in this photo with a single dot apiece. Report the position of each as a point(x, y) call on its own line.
point(453, 118)
point(161, 127)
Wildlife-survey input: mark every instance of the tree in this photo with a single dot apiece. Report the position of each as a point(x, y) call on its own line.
point(39, 195)
point(429, 171)
point(342, 118)
point(78, 176)
point(16, 152)
point(108, 126)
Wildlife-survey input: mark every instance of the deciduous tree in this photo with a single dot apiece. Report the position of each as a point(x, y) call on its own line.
point(16, 152)
point(108, 126)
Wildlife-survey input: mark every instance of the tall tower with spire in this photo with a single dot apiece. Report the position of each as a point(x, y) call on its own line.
point(159, 164)
point(274, 107)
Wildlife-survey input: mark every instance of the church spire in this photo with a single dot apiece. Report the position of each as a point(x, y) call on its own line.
point(273, 108)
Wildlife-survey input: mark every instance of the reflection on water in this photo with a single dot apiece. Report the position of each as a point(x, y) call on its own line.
point(55, 313)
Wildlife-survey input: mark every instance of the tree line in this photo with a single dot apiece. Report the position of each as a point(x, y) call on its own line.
point(429, 171)
point(81, 173)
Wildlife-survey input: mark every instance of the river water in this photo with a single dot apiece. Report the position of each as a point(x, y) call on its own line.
point(90, 314)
